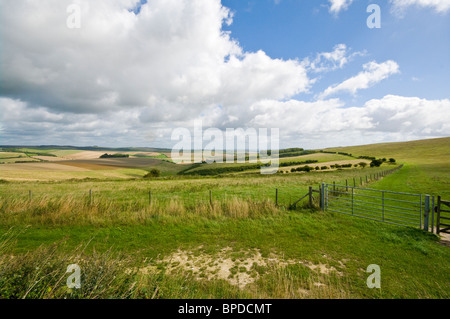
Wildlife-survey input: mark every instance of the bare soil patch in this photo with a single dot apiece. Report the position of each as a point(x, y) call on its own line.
point(85, 155)
point(108, 163)
point(239, 268)
point(45, 167)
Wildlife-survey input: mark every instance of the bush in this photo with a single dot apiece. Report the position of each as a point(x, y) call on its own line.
point(106, 155)
point(363, 164)
point(376, 163)
point(153, 173)
point(392, 160)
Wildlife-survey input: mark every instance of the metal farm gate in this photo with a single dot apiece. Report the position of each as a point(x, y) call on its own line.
point(443, 216)
point(402, 209)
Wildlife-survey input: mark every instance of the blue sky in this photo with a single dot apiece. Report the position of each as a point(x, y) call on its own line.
point(419, 41)
point(133, 71)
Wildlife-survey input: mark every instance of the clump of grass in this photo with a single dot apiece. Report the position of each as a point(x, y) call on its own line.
point(41, 274)
point(285, 283)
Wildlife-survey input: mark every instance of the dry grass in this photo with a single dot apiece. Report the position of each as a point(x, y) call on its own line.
point(68, 210)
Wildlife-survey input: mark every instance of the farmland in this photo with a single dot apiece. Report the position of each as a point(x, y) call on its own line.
point(213, 236)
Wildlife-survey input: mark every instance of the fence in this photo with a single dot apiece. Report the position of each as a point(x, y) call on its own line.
point(396, 208)
point(442, 216)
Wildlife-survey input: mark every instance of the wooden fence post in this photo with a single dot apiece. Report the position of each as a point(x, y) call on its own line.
point(432, 215)
point(438, 220)
point(210, 197)
point(310, 196)
point(322, 197)
point(276, 196)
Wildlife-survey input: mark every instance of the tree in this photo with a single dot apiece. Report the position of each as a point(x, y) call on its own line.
point(363, 164)
point(392, 160)
point(153, 173)
point(376, 163)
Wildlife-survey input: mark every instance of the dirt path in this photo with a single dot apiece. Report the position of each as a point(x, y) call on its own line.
point(445, 239)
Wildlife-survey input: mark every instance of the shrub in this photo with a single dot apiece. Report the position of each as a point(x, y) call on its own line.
point(106, 155)
point(392, 160)
point(376, 163)
point(363, 164)
point(153, 173)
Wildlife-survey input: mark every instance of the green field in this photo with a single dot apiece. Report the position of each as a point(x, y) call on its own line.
point(182, 243)
point(427, 165)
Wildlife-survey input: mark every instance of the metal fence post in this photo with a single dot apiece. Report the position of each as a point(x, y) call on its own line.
point(426, 215)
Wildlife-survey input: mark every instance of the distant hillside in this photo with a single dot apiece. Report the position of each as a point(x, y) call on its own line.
point(422, 151)
point(90, 148)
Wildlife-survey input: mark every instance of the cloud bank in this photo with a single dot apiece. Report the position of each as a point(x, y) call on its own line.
point(127, 77)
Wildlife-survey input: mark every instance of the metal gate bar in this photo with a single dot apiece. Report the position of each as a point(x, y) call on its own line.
point(396, 208)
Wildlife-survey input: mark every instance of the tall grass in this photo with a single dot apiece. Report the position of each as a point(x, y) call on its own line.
point(68, 210)
point(42, 274)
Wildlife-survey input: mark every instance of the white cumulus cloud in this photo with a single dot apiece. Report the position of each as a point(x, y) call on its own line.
point(173, 58)
point(441, 6)
point(337, 6)
point(373, 73)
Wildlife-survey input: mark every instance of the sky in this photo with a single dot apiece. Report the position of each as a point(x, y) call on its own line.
point(132, 71)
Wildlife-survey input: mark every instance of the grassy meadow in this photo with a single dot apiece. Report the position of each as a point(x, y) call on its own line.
point(219, 236)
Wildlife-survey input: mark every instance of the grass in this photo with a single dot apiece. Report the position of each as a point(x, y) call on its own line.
point(240, 245)
point(427, 165)
point(406, 256)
